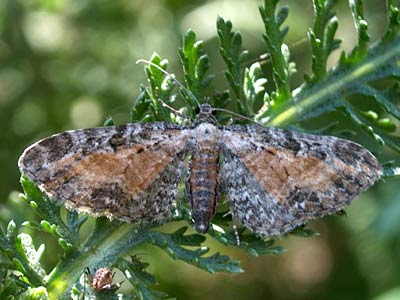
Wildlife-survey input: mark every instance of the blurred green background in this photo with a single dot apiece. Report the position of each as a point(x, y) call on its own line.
point(70, 64)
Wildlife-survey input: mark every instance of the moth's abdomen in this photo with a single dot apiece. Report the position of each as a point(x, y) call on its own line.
point(203, 179)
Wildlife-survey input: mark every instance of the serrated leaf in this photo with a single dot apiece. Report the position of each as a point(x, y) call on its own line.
point(394, 21)
point(108, 121)
point(11, 230)
point(322, 38)
point(342, 82)
point(141, 281)
point(253, 87)
point(152, 100)
point(248, 242)
point(212, 264)
point(74, 222)
point(21, 252)
point(140, 109)
point(48, 210)
point(361, 25)
point(273, 38)
point(234, 57)
point(390, 170)
point(304, 232)
point(187, 240)
point(32, 256)
point(65, 245)
point(382, 98)
point(195, 64)
point(34, 293)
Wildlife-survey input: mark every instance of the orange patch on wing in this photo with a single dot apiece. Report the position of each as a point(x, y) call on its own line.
point(135, 167)
point(136, 171)
point(279, 173)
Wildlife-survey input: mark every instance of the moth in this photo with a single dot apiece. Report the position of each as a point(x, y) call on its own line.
point(275, 179)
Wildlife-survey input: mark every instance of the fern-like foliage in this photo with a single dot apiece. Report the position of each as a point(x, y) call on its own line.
point(324, 91)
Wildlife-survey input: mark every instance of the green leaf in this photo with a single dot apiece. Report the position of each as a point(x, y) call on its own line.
point(274, 43)
point(140, 111)
point(254, 88)
point(149, 105)
point(108, 122)
point(234, 57)
point(304, 232)
point(391, 170)
point(21, 252)
point(322, 38)
point(361, 25)
point(26, 249)
point(141, 281)
point(37, 293)
point(248, 242)
point(393, 21)
point(11, 287)
point(195, 64)
point(345, 81)
point(48, 210)
point(211, 264)
point(187, 240)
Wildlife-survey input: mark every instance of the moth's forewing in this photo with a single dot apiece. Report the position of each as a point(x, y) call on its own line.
point(279, 179)
point(126, 172)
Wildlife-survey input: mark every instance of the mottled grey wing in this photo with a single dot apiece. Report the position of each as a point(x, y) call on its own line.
point(128, 172)
point(278, 179)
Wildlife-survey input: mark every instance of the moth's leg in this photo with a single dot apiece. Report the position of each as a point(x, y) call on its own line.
point(235, 221)
point(179, 207)
point(186, 172)
point(229, 123)
point(220, 183)
point(188, 167)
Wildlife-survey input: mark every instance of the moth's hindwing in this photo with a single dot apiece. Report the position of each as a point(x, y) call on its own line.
point(279, 179)
point(128, 172)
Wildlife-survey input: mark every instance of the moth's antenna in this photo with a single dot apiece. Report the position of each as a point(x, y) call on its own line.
point(172, 77)
point(178, 113)
point(237, 115)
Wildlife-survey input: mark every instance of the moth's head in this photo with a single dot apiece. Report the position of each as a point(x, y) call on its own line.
point(205, 115)
point(205, 109)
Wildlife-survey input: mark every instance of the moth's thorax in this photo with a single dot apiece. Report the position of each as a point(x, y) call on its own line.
point(203, 179)
point(207, 134)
